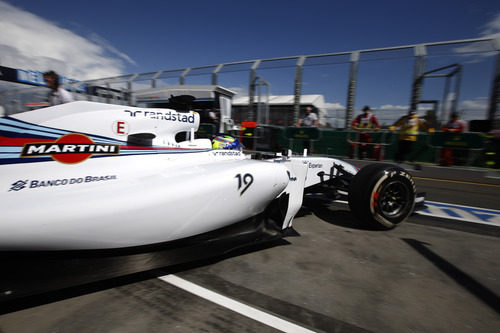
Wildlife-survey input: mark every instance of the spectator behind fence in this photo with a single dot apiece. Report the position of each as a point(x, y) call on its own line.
point(365, 123)
point(409, 126)
point(455, 125)
point(57, 95)
point(213, 118)
point(309, 120)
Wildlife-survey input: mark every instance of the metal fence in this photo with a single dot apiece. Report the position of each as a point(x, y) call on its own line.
point(441, 77)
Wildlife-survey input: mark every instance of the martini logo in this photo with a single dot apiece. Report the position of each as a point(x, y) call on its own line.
point(71, 148)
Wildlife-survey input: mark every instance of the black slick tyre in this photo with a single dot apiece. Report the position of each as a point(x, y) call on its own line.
point(382, 195)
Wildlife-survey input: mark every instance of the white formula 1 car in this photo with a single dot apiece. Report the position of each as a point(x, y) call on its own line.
point(91, 176)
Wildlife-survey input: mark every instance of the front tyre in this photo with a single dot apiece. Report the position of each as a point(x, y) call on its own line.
point(382, 195)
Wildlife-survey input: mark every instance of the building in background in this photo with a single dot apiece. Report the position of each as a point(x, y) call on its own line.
point(278, 110)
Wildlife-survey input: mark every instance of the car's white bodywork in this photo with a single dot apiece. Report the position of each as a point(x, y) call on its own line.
point(87, 175)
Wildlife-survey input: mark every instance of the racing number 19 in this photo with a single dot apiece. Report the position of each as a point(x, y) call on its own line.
point(244, 181)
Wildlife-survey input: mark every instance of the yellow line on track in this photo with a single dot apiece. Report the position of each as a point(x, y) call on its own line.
point(456, 181)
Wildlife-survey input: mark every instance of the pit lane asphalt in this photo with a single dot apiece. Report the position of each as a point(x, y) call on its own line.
point(426, 275)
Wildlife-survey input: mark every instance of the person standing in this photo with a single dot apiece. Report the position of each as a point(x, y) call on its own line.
point(365, 123)
point(455, 125)
point(409, 126)
point(214, 119)
point(309, 120)
point(57, 95)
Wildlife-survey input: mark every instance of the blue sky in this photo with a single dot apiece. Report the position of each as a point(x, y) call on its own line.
point(177, 34)
point(91, 39)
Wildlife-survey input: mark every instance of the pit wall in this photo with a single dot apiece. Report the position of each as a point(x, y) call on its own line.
point(468, 149)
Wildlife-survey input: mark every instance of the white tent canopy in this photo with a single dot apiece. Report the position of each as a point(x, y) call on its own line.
point(316, 101)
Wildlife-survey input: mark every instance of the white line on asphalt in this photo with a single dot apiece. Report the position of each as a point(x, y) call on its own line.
point(458, 212)
point(233, 305)
point(462, 213)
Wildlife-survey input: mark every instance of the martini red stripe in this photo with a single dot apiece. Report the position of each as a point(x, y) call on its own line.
point(5, 141)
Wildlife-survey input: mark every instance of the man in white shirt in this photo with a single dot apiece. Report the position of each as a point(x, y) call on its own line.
point(57, 95)
point(309, 120)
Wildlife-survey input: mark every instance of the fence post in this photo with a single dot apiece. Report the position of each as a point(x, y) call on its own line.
point(154, 78)
point(351, 90)
point(129, 87)
point(182, 78)
point(251, 93)
point(297, 90)
point(495, 91)
point(215, 72)
point(418, 75)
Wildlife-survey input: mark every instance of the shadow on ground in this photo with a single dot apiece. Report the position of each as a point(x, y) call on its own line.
point(333, 213)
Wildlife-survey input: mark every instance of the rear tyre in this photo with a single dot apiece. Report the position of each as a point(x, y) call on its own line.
point(382, 195)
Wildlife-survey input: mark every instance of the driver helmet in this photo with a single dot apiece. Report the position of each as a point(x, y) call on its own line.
point(222, 141)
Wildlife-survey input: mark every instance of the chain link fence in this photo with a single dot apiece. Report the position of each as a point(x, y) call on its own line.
point(433, 78)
